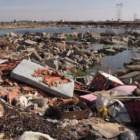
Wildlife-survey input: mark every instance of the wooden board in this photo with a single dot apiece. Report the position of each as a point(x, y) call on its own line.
point(130, 75)
point(107, 129)
point(133, 67)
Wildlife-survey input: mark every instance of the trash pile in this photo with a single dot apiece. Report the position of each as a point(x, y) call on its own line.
point(38, 101)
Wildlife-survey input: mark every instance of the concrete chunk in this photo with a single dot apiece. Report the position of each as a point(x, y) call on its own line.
point(23, 72)
point(13, 34)
point(30, 42)
point(36, 56)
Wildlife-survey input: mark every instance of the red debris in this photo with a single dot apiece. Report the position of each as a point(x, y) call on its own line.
point(51, 78)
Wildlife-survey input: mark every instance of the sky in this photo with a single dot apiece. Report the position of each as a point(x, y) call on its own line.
point(70, 10)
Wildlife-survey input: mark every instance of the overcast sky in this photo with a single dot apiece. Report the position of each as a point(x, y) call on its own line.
point(66, 9)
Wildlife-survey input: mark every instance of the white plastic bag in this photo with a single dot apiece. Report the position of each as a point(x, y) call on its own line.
point(117, 111)
point(129, 135)
point(29, 135)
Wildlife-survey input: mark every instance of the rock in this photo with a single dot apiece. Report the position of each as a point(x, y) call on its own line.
point(47, 55)
point(85, 56)
point(94, 51)
point(86, 67)
point(37, 38)
point(13, 34)
point(40, 45)
point(110, 51)
point(7, 35)
point(129, 135)
point(95, 35)
point(30, 50)
point(58, 37)
point(106, 41)
point(78, 51)
point(22, 47)
point(37, 62)
point(115, 41)
point(85, 61)
point(75, 34)
point(67, 66)
point(70, 61)
point(56, 57)
point(2, 110)
point(44, 33)
point(130, 42)
point(68, 53)
point(116, 38)
point(53, 64)
point(138, 43)
point(57, 49)
point(75, 56)
point(41, 102)
point(80, 36)
point(29, 42)
point(79, 59)
point(87, 43)
point(36, 56)
point(60, 45)
point(125, 39)
point(92, 40)
point(88, 52)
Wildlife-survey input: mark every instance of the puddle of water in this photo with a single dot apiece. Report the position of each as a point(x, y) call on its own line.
point(96, 47)
point(117, 61)
point(101, 46)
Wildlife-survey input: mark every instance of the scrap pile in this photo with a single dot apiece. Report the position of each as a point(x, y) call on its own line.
point(41, 102)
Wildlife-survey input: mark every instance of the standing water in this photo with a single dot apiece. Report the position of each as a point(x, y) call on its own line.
point(117, 61)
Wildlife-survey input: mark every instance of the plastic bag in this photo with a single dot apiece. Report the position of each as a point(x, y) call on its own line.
point(129, 135)
point(117, 111)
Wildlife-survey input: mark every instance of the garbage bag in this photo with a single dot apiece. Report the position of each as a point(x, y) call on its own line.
point(117, 111)
point(102, 101)
point(29, 135)
point(23, 102)
point(128, 135)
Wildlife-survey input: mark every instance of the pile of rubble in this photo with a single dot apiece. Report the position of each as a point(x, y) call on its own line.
point(39, 101)
point(59, 51)
point(129, 38)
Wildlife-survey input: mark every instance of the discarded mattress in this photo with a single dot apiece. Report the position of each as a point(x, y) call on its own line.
point(103, 81)
point(24, 72)
point(125, 90)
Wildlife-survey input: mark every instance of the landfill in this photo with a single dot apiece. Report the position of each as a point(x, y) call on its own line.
point(41, 97)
